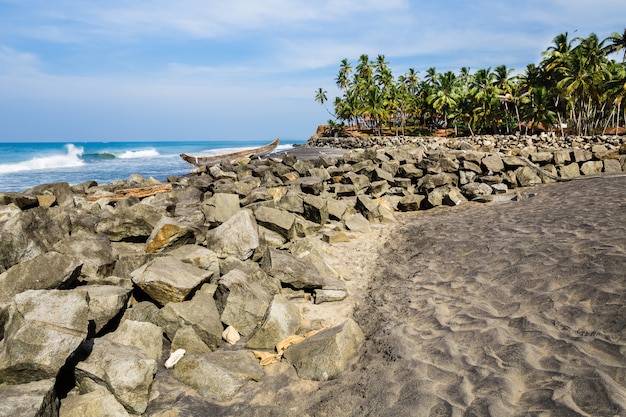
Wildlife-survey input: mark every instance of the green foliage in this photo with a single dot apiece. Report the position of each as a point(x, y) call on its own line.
point(576, 84)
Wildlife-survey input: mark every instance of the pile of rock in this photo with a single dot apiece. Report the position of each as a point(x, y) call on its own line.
point(97, 290)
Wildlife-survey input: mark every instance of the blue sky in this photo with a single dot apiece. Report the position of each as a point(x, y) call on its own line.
point(81, 70)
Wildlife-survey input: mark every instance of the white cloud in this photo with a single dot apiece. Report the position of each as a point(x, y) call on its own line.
point(17, 62)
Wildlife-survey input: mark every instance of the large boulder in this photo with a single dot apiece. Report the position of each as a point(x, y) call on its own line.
point(292, 271)
point(238, 236)
point(169, 233)
point(125, 371)
point(200, 257)
point(31, 233)
point(96, 403)
point(48, 271)
point(282, 319)
point(200, 313)
point(220, 207)
point(241, 301)
point(33, 399)
point(145, 336)
point(218, 375)
point(94, 250)
point(62, 192)
point(105, 302)
point(325, 355)
point(134, 223)
point(277, 220)
point(167, 279)
point(44, 328)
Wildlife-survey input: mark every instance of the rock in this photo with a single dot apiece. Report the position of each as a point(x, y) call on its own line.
point(61, 190)
point(218, 375)
point(360, 183)
point(493, 163)
point(612, 166)
point(432, 181)
point(325, 355)
point(96, 403)
point(562, 157)
point(238, 236)
point(167, 279)
point(282, 319)
point(31, 233)
point(123, 370)
point(169, 233)
point(411, 202)
point(186, 338)
point(476, 189)
point(315, 209)
point(142, 311)
point(569, 171)
point(134, 223)
point(591, 167)
point(313, 250)
point(33, 399)
point(105, 303)
point(48, 271)
point(22, 201)
point(292, 271)
point(333, 237)
point(356, 222)
point(541, 157)
point(448, 195)
point(242, 302)
point(200, 257)
point(231, 335)
point(43, 329)
point(94, 250)
point(200, 313)
point(146, 337)
point(220, 207)
point(527, 177)
point(278, 220)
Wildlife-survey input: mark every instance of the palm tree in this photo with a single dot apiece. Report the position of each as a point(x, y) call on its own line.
point(321, 97)
point(485, 92)
point(444, 95)
point(617, 43)
point(343, 78)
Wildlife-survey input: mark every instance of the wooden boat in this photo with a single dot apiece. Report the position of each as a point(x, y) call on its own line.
point(202, 161)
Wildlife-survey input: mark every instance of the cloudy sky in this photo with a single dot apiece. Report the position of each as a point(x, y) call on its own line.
point(81, 70)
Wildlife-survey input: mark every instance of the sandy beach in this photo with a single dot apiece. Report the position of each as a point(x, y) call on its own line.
point(515, 308)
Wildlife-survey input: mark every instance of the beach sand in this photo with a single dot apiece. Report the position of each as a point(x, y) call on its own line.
point(515, 308)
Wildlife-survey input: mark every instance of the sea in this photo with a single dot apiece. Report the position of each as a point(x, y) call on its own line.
point(25, 165)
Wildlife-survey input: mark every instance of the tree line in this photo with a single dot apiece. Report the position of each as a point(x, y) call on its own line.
point(576, 88)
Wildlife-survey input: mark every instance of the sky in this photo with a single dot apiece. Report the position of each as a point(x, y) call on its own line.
point(160, 70)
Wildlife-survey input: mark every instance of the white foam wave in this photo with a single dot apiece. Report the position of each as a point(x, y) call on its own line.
point(72, 158)
point(145, 153)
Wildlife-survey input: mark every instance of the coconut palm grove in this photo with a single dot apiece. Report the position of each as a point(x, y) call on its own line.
point(577, 88)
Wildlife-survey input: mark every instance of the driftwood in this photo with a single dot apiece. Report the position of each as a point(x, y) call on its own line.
point(139, 192)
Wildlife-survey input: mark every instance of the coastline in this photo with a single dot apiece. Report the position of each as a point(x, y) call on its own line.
point(395, 241)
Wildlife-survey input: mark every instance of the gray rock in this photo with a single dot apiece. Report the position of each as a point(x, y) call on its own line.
point(476, 189)
point(61, 191)
point(21, 200)
point(569, 171)
point(134, 223)
point(612, 166)
point(291, 270)
point(200, 313)
point(95, 252)
point(238, 236)
point(411, 202)
point(326, 296)
point(48, 271)
point(146, 337)
point(432, 181)
point(142, 311)
point(43, 329)
point(99, 403)
point(187, 338)
point(200, 257)
point(33, 399)
point(591, 167)
point(123, 370)
point(325, 355)
point(167, 279)
point(542, 157)
point(218, 375)
point(30, 233)
point(105, 302)
point(242, 302)
point(282, 319)
point(278, 220)
point(527, 177)
point(562, 157)
point(313, 250)
point(315, 209)
point(220, 207)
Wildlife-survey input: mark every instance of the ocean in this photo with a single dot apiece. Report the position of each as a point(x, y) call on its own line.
point(24, 165)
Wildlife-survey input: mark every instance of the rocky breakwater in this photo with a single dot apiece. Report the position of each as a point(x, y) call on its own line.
point(101, 283)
